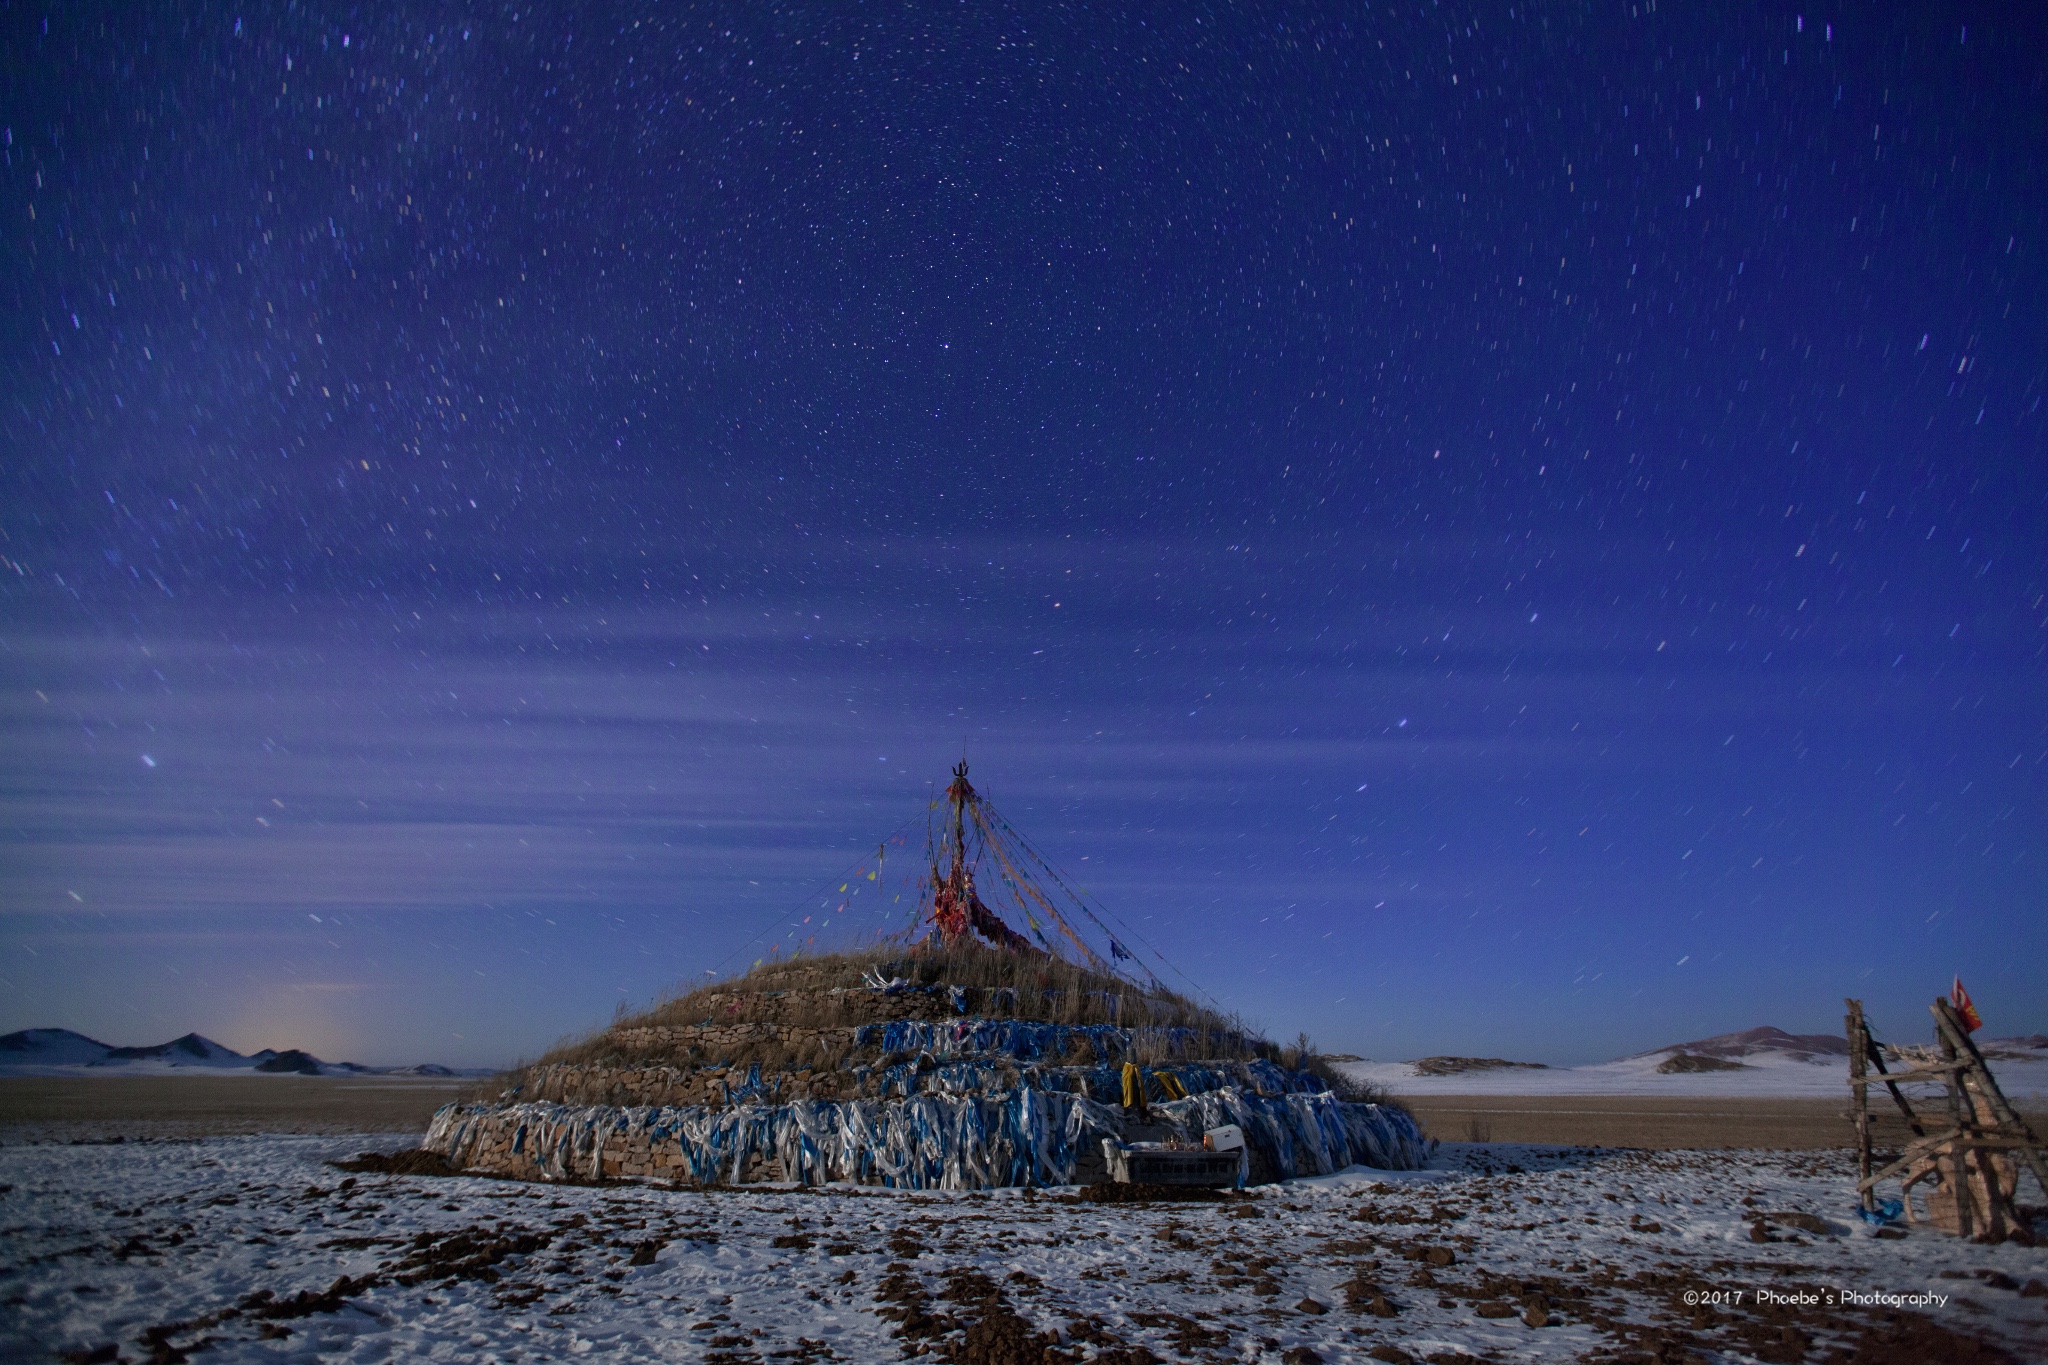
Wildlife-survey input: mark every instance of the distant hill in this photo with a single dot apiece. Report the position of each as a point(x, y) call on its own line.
point(1458, 1066)
point(61, 1052)
point(1758, 1042)
point(190, 1050)
point(50, 1047)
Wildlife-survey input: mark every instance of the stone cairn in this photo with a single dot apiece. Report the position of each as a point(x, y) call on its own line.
point(967, 1058)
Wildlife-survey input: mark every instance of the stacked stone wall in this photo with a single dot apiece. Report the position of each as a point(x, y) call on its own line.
point(678, 1042)
point(930, 1142)
point(863, 1070)
point(499, 1150)
point(840, 1005)
point(927, 1142)
point(712, 1063)
point(638, 1157)
point(818, 1008)
point(924, 1087)
point(724, 1039)
point(666, 1085)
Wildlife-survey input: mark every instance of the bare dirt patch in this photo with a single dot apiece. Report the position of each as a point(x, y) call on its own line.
point(63, 1108)
point(1673, 1123)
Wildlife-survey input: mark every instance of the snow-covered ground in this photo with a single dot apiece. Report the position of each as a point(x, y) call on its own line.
point(154, 1244)
point(1765, 1075)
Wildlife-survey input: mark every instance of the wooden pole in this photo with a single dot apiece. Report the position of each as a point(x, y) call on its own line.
point(1947, 1023)
point(1918, 1152)
point(1959, 1116)
point(1962, 1120)
point(1859, 1047)
point(1891, 1083)
point(1972, 1162)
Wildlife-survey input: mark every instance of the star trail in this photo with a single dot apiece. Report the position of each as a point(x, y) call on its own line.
point(1497, 529)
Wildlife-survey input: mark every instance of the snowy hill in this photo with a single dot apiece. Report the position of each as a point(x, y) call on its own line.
point(50, 1047)
point(190, 1050)
point(57, 1051)
point(61, 1052)
point(1761, 1042)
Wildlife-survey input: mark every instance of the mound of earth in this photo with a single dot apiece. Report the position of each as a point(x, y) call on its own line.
point(1798, 1047)
point(1679, 1063)
point(961, 1056)
point(945, 1065)
point(1457, 1066)
point(413, 1161)
point(2032, 1048)
point(892, 1024)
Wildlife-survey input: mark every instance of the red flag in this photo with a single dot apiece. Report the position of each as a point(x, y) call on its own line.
point(1965, 1011)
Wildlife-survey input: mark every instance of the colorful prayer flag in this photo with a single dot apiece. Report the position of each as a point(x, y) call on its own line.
point(1967, 1012)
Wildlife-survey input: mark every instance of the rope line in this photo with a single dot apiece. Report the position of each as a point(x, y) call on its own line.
point(1028, 877)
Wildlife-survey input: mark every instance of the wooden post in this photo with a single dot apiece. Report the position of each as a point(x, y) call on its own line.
point(1898, 1096)
point(1950, 1165)
point(1958, 1116)
point(1859, 1047)
point(1973, 1165)
point(2002, 1112)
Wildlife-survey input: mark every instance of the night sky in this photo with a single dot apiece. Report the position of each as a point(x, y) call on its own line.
point(1481, 529)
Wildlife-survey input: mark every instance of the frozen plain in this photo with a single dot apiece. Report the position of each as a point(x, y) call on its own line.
point(152, 1247)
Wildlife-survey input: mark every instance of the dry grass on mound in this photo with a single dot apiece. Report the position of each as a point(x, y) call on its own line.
point(1047, 989)
point(830, 993)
